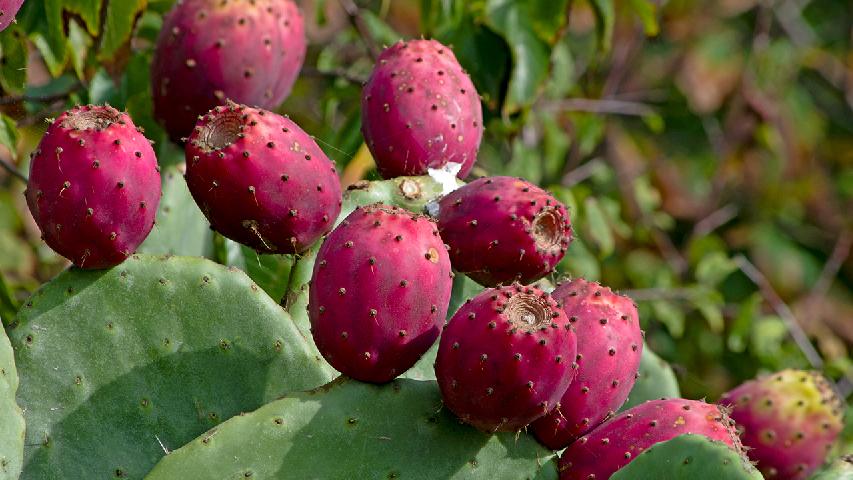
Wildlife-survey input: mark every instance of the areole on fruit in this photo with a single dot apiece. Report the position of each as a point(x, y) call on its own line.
point(221, 131)
point(548, 228)
point(96, 119)
point(528, 312)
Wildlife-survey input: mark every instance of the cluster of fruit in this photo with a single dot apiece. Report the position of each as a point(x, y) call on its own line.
point(515, 356)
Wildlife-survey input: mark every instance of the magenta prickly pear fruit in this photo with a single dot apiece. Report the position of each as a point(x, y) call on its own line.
point(380, 292)
point(249, 51)
point(610, 344)
point(94, 186)
point(789, 421)
point(503, 229)
point(419, 110)
point(506, 358)
point(8, 10)
point(261, 180)
point(615, 443)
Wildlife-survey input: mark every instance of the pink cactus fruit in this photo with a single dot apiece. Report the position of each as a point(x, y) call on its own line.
point(610, 344)
point(420, 110)
point(615, 443)
point(261, 180)
point(248, 51)
point(8, 10)
point(790, 420)
point(380, 292)
point(94, 186)
point(504, 229)
point(506, 358)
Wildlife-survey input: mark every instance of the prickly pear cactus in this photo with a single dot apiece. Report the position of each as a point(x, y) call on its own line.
point(349, 429)
point(119, 366)
point(688, 457)
point(840, 469)
point(11, 420)
point(181, 228)
point(656, 380)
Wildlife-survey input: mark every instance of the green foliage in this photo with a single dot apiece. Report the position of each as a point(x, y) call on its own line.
point(656, 380)
point(840, 469)
point(11, 419)
point(349, 429)
point(687, 457)
point(118, 365)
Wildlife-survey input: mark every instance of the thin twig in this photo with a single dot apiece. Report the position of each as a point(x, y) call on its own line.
point(577, 175)
point(781, 309)
point(831, 268)
point(652, 294)
point(332, 73)
point(604, 105)
point(358, 22)
point(714, 221)
point(12, 170)
point(13, 99)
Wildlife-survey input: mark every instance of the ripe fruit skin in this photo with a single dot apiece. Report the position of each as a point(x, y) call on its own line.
point(615, 443)
point(248, 51)
point(610, 345)
point(506, 358)
point(8, 10)
point(504, 229)
point(379, 293)
point(94, 186)
point(261, 180)
point(790, 420)
point(420, 110)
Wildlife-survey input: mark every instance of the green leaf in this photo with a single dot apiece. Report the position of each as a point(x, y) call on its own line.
point(605, 19)
point(710, 304)
point(79, 43)
point(670, 315)
point(714, 268)
point(13, 68)
point(349, 429)
point(646, 10)
point(119, 21)
point(530, 28)
point(598, 231)
point(9, 135)
point(381, 32)
point(655, 380)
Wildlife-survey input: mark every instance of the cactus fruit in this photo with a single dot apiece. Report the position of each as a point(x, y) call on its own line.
point(504, 229)
point(420, 110)
point(656, 380)
point(610, 344)
point(119, 365)
point(94, 186)
point(11, 419)
point(249, 51)
point(506, 358)
point(348, 429)
point(689, 457)
point(615, 443)
point(8, 10)
point(790, 420)
point(261, 180)
point(379, 293)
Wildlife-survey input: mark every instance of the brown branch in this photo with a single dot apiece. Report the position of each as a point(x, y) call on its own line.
point(358, 22)
point(781, 309)
point(714, 221)
point(604, 105)
point(13, 99)
point(12, 170)
point(577, 175)
point(830, 269)
point(652, 294)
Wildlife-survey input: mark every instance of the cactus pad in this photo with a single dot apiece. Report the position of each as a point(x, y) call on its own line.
point(348, 430)
point(688, 457)
point(656, 380)
point(11, 420)
point(119, 366)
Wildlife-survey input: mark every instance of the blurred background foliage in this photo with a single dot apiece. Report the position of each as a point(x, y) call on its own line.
point(704, 147)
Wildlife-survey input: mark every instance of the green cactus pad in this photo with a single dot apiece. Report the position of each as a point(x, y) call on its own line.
point(180, 228)
point(840, 469)
point(11, 420)
point(656, 380)
point(688, 457)
point(117, 366)
point(351, 430)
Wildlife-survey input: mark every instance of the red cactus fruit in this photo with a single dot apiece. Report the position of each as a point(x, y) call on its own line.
point(261, 180)
point(506, 358)
point(420, 110)
point(504, 229)
point(94, 186)
point(380, 292)
point(8, 10)
point(615, 443)
point(610, 344)
point(790, 421)
point(249, 51)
